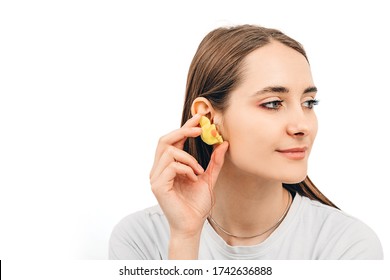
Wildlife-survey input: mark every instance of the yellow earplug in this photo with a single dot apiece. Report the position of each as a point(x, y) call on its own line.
point(209, 134)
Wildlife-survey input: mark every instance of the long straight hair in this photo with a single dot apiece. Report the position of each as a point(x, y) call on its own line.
point(216, 70)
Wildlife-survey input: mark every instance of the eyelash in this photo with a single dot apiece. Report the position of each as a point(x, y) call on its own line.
point(276, 104)
point(311, 103)
point(272, 105)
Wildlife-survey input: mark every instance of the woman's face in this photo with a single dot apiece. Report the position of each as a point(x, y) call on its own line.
point(269, 122)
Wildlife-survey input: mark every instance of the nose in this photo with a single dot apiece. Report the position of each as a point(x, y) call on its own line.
point(298, 124)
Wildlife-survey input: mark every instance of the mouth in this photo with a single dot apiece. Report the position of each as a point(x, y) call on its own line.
point(294, 153)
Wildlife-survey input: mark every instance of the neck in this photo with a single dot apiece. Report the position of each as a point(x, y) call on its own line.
point(246, 206)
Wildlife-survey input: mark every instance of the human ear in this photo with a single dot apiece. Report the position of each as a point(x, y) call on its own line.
point(202, 106)
point(210, 134)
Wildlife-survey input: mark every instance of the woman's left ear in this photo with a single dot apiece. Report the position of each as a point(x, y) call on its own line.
point(202, 106)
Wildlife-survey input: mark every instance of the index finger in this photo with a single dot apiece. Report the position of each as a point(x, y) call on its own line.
point(194, 121)
point(191, 123)
point(178, 137)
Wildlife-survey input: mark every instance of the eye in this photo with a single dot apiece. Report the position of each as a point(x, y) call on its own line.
point(310, 103)
point(272, 105)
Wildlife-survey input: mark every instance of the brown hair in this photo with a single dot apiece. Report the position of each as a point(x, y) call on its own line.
point(216, 70)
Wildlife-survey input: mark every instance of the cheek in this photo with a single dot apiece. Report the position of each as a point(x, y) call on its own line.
point(313, 128)
point(251, 141)
point(253, 144)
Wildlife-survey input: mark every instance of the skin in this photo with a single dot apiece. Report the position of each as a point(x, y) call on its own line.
point(246, 172)
point(255, 132)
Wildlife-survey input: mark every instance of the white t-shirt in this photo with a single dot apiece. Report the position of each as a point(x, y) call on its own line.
point(310, 230)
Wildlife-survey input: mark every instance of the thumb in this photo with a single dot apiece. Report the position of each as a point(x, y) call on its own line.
point(216, 162)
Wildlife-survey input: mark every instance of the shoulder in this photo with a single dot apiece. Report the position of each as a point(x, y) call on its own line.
point(142, 219)
point(340, 235)
point(139, 235)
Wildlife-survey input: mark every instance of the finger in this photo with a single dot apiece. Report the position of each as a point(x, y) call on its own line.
point(189, 129)
point(169, 175)
point(216, 162)
point(172, 138)
point(192, 122)
point(179, 135)
point(177, 138)
point(172, 154)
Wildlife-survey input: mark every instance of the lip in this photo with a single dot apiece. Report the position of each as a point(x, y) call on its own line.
point(294, 153)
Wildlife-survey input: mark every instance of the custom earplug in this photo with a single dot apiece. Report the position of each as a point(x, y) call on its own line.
point(209, 134)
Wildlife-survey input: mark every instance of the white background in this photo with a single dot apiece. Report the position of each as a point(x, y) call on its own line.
point(88, 87)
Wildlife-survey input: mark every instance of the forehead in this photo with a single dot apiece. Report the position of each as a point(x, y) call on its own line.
point(276, 65)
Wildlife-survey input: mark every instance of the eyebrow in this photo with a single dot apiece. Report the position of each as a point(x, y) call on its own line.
point(280, 89)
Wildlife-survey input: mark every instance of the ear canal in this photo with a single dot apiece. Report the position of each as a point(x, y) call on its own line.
point(209, 134)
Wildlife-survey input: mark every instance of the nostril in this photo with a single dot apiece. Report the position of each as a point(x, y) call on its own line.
point(299, 134)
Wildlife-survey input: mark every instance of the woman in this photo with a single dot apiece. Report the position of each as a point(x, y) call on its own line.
point(249, 197)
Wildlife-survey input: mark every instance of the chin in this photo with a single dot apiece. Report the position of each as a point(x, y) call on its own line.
point(292, 182)
point(294, 179)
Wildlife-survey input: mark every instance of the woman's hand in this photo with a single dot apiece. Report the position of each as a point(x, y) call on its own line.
point(181, 186)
